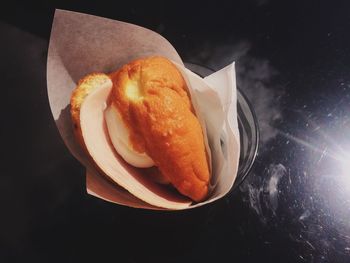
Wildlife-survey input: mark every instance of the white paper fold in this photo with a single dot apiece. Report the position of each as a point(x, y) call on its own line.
point(81, 44)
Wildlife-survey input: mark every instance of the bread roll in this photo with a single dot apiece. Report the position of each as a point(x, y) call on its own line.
point(154, 103)
point(153, 100)
point(85, 86)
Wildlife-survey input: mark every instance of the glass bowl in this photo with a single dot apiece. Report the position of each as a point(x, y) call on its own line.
point(247, 125)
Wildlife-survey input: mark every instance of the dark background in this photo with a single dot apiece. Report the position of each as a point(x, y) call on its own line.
point(293, 63)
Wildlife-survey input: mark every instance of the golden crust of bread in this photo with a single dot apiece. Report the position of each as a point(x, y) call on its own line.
point(85, 86)
point(154, 102)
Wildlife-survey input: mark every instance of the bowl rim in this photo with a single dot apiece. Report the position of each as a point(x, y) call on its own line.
point(257, 136)
point(252, 163)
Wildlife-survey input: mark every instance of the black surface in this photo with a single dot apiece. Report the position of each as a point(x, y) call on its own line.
point(293, 63)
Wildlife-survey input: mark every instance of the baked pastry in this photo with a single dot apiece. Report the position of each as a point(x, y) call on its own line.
point(85, 86)
point(151, 122)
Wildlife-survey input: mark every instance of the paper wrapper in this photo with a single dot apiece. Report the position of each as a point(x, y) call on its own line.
point(81, 44)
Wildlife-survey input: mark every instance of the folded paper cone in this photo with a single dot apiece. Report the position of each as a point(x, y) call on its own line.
point(106, 48)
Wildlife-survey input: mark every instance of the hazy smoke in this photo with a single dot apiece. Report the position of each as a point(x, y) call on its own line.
point(254, 77)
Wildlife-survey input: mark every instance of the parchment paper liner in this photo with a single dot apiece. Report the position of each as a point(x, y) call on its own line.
point(81, 44)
